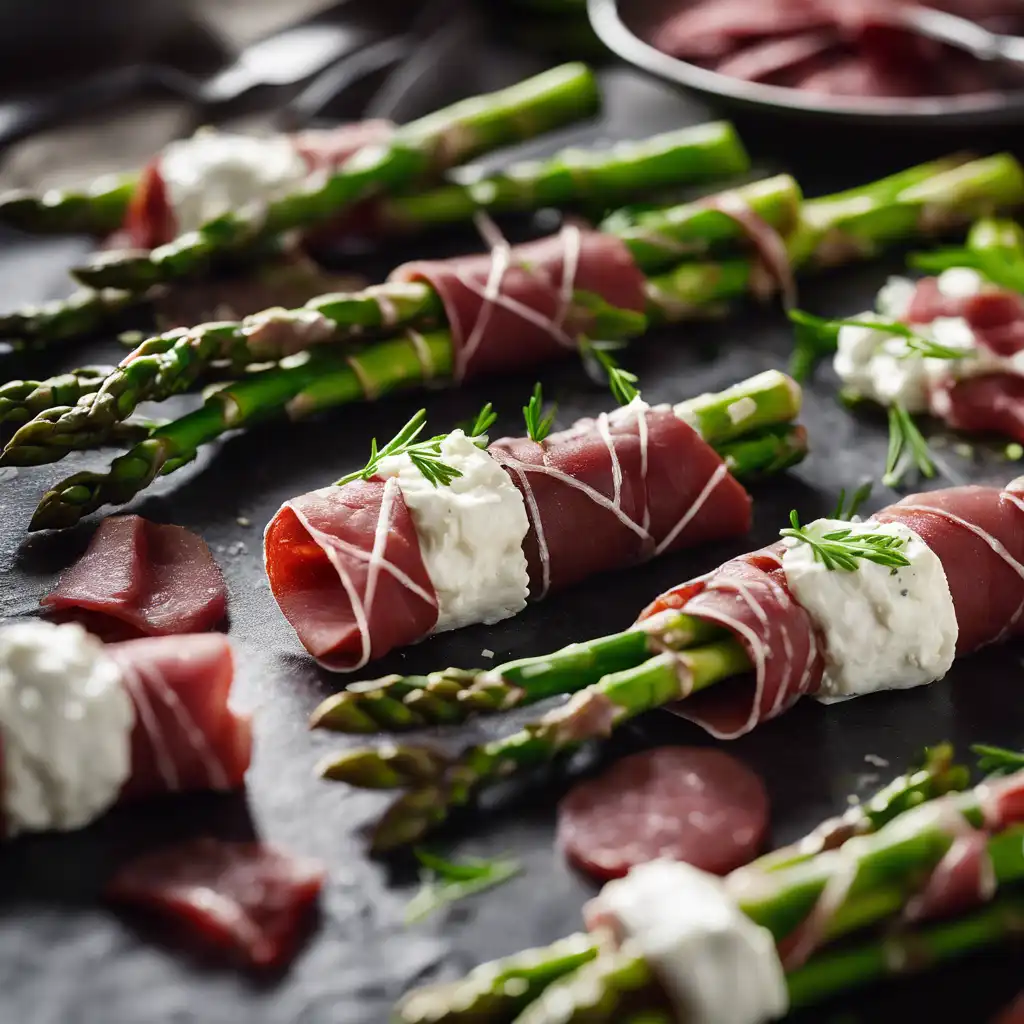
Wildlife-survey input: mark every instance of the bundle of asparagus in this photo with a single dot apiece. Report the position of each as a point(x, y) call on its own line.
point(854, 224)
point(895, 866)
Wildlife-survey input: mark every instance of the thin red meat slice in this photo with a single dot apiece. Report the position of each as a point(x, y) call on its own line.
point(186, 736)
point(993, 403)
point(612, 492)
point(155, 577)
point(345, 566)
point(690, 804)
point(761, 62)
point(150, 219)
point(749, 597)
point(250, 900)
point(512, 308)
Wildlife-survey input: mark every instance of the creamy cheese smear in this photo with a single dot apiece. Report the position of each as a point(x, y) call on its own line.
point(884, 629)
point(65, 727)
point(877, 365)
point(214, 173)
point(716, 965)
point(471, 534)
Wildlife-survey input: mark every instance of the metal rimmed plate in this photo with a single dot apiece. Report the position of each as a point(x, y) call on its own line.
point(623, 24)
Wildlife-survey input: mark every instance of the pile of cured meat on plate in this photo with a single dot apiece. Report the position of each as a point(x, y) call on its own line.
point(120, 689)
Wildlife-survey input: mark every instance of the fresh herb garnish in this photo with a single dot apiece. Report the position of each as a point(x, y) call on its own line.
point(907, 447)
point(485, 419)
point(840, 549)
point(996, 266)
point(424, 455)
point(859, 497)
point(997, 760)
point(619, 380)
point(538, 425)
point(445, 882)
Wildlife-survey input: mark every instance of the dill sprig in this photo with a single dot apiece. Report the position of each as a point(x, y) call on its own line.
point(841, 549)
point(997, 760)
point(538, 425)
point(621, 382)
point(857, 499)
point(445, 882)
point(424, 455)
point(907, 447)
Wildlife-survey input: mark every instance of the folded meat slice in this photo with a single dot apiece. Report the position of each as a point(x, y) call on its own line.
point(150, 219)
point(748, 596)
point(513, 307)
point(249, 899)
point(345, 566)
point(186, 736)
point(612, 492)
point(155, 577)
point(991, 403)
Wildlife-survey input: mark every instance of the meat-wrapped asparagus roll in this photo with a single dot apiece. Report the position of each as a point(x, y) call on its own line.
point(440, 534)
point(84, 726)
point(835, 610)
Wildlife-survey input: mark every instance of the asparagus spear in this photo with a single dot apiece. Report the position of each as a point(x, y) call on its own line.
point(574, 175)
point(84, 313)
point(171, 363)
point(97, 210)
point(434, 143)
point(21, 400)
point(499, 990)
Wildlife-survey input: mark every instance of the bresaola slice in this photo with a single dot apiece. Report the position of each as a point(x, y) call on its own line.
point(617, 490)
point(151, 219)
point(690, 804)
point(250, 900)
point(511, 308)
point(346, 564)
point(156, 578)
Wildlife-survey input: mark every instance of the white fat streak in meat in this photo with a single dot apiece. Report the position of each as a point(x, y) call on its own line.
point(388, 309)
point(368, 386)
point(713, 481)
point(380, 540)
point(1007, 630)
point(423, 356)
point(984, 535)
point(771, 247)
point(165, 764)
point(215, 772)
point(606, 435)
point(501, 263)
point(332, 547)
point(533, 513)
point(642, 433)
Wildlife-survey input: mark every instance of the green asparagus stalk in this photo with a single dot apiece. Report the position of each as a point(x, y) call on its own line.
point(596, 991)
point(97, 210)
point(430, 145)
point(172, 362)
point(21, 400)
point(84, 313)
point(997, 235)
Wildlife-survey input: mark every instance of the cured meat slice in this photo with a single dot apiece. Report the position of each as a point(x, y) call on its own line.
point(186, 736)
point(691, 804)
point(995, 315)
point(978, 534)
point(993, 402)
point(155, 577)
point(749, 597)
point(150, 219)
point(513, 307)
point(250, 900)
point(345, 566)
point(611, 492)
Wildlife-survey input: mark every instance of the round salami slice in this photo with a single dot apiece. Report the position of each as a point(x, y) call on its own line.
point(692, 804)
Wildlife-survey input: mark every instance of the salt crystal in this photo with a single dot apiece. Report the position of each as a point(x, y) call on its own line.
point(486, 653)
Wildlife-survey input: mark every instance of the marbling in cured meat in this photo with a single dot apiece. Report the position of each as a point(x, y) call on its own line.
point(250, 900)
point(511, 308)
point(977, 534)
point(186, 735)
point(156, 578)
point(150, 219)
point(691, 804)
point(612, 492)
point(345, 566)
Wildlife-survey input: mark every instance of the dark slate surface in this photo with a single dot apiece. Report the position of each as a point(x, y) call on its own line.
point(64, 959)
